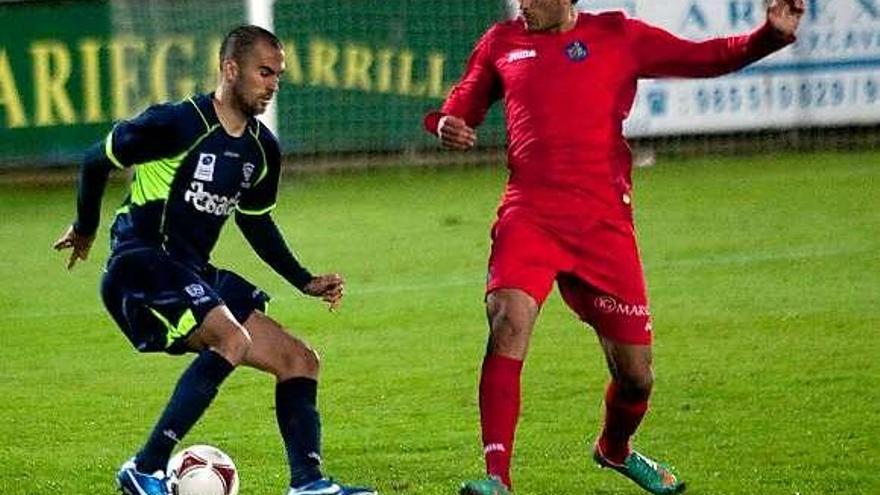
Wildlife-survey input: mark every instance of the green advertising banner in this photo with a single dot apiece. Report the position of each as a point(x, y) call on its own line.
point(78, 66)
point(360, 74)
point(52, 78)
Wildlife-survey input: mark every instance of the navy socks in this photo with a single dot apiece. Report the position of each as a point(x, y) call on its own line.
point(300, 425)
point(295, 410)
point(194, 392)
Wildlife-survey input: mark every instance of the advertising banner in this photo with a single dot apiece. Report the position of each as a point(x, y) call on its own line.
point(360, 75)
point(52, 78)
point(68, 70)
point(829, 77)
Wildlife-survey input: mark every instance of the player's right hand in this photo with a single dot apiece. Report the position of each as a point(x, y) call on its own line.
point(454, 133)
point(79, 243)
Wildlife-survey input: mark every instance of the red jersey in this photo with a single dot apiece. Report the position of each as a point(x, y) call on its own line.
point(566, 96)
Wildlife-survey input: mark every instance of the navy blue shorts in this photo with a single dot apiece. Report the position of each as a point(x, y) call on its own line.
point(158, 302)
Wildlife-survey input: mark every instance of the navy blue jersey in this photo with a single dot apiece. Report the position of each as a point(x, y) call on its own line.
point(190, 176)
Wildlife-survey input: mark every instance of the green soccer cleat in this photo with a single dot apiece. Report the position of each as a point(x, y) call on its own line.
point(649, 474)
point(488, 486)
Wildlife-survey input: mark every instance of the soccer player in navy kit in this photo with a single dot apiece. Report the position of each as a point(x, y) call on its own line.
point(197, 162)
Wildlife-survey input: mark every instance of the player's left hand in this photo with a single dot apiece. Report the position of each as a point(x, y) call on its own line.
point(329, 287)
point(79, 243)
point(785, 16)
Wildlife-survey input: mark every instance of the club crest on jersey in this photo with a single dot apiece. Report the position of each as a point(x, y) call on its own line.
point(247, 171)
point(521, 55)
point(205, 167)
point(576, 51)
point(195, 290)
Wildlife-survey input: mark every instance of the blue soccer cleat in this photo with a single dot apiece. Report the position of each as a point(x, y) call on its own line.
point(133, 482)
point(326, 486)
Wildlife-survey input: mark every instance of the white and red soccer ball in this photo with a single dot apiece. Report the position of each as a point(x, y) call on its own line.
point(202, 470)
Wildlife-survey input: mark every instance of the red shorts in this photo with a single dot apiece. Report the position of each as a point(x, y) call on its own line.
point(596, 265)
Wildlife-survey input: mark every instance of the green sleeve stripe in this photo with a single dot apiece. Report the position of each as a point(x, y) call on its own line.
point(207, 126)
point(258, 212)
point(263, 153)
point(108, 150)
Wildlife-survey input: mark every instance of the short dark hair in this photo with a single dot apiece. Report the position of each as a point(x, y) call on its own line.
point(240, 40)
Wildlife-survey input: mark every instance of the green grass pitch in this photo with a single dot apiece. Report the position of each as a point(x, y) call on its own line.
point(764, 279)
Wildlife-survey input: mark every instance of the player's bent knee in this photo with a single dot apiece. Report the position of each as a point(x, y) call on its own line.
point(306, 360)
point(295, 359)
point(511, 312)
point(635, 384)
point(508, 324)
point(509, 336)
point(508, 329)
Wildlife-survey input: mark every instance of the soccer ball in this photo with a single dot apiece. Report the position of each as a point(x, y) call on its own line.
point(202, 470)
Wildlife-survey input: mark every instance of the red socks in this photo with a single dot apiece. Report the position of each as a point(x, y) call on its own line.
point(622, 416)
point(499, 412)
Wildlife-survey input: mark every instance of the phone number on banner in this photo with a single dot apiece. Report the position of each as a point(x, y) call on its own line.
point(749, 95)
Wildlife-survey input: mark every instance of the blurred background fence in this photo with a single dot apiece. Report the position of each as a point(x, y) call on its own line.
point(362, 72)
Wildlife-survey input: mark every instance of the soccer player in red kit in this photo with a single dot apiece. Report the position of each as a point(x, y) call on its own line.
point(568, 80)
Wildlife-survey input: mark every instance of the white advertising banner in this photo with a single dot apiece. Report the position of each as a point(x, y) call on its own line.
point(829, 77)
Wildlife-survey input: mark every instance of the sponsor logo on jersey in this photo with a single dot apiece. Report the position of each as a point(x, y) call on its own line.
point(608, 305)
point(521, 55)
point(231, 154)
point(576, 51)
point(205, 167)
point(247, 171)
point(207, 202)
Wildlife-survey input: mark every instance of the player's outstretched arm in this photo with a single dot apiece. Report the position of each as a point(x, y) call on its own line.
point(672, 56)
point(94, 172)
point(267, 240)
point(785, 16)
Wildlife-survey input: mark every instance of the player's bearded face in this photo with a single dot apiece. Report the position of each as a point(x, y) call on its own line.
point(543, 15)
point(258, 79)
point(246, 98)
